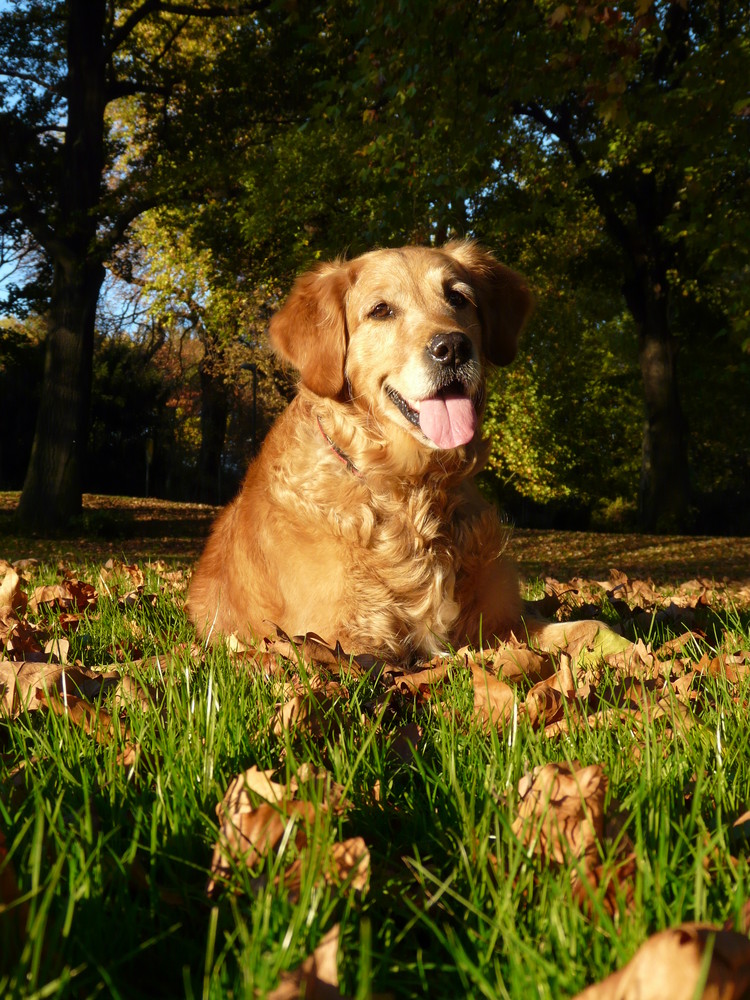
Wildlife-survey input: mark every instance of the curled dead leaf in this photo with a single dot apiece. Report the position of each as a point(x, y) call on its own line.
point(585, 641)
point(317, 978)
point(248, 836)
point(349, 861)
point(93, 720)
point(561, 811)
point(680, 645)
point(544, 704)
point(545, 701)
point(313, 651)
point(257, 815)
point(675, 963)
point(66, 596)
point(12, 598)
point(416, 681)
point(311, 712)
point(57, 649)
point(22, 685)
point(493, 698)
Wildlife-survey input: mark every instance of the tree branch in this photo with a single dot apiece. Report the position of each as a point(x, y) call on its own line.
point(17, 74)
point(131, 22)
point(148, 7)
point(125, 217)
point(556, 126)
point(14, 194)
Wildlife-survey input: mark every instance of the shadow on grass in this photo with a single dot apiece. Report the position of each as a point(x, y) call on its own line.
point(131, 528)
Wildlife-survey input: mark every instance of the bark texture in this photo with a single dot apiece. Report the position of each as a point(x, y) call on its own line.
point(53, 484)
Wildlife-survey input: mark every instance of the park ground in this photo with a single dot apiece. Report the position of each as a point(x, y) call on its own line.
point(137, 529)
point(182, 821)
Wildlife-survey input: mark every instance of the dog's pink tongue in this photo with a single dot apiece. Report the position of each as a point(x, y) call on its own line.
point(448, 421)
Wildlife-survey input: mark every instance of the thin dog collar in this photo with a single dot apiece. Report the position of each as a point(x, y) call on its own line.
point(338, 452)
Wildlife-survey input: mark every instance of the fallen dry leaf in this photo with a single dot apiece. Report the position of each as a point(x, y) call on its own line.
point(256, 816)
point(93, 720)
point(561, 811)
point(522, 663)
point(545, 701)
point(350, 862)
point(679, 645)
point(12, 598)
point(57, 649)
point(22, 641)
point(22, 685)
point(68, 595)
point(248, 836)
point(672, 965)
point(417, 681)
point(587, 641)
point(493, 698)
point(311, 712)
point(317, 978)
point(259, 782)
point(313, 651)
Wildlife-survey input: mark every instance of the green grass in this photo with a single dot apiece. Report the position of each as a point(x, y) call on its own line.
point(112, 860)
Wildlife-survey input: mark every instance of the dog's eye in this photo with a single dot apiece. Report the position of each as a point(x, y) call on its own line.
point(381, 311)
point(456, 299)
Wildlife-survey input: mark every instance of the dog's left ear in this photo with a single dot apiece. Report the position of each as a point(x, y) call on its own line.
point(310, 328)
point(505, 302)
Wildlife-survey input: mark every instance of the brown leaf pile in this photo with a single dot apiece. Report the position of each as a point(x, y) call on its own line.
point(34, 670)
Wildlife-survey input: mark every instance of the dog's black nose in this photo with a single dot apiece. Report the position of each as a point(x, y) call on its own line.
point(450, 349)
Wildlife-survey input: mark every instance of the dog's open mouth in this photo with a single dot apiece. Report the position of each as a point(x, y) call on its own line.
point(449, 418)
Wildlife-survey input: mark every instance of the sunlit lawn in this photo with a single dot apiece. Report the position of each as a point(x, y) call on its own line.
point(110, 822)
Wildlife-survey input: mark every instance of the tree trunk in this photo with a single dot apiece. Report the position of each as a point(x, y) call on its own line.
point(53, 485)
point(664, 492)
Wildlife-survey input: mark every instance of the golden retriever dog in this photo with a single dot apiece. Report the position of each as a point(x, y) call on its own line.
point(359, 520)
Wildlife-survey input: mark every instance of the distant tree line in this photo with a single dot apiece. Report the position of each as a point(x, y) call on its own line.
point(167, 168)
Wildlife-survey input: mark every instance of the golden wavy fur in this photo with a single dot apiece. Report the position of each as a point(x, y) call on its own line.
point(359, 520)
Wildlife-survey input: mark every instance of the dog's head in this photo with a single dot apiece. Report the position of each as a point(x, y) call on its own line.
point(405, 334)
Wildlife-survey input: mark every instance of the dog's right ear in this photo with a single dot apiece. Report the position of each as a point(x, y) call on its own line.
point(310, 329)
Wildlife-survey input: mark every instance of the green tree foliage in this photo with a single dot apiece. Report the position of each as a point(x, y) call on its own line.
point(71, 184)
point(525, 116)
point(599, 148)
point(216, 323)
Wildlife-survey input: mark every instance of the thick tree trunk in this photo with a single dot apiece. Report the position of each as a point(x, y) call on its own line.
point(664, 492)
point(52, 489)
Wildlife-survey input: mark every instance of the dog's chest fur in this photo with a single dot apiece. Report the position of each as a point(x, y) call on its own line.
point(406, 547)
